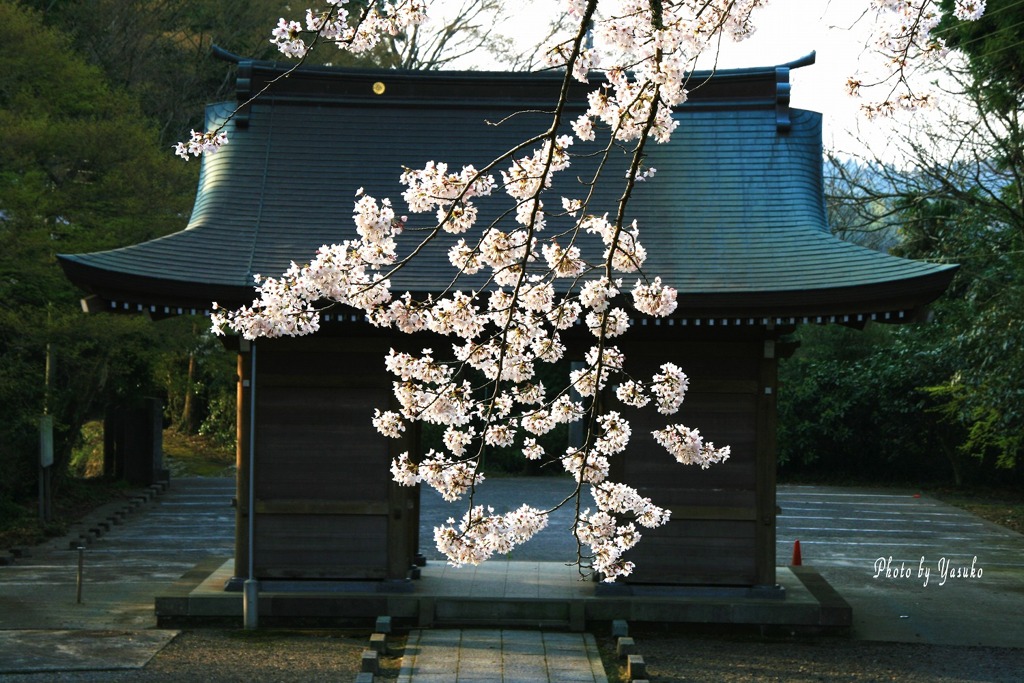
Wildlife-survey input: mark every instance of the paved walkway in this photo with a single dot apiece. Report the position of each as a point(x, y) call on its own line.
point(914, 569)
point(42, 625)
point(500, 656)
point(843, 533)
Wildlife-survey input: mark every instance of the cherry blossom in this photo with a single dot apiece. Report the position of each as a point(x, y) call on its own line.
point(356, 33)
point(481, 534)
point(480, 383)
point(904, 39)
point(201, 143)
point(654, 299)
point(388, 423)
point(688, 447)
point(968, 10)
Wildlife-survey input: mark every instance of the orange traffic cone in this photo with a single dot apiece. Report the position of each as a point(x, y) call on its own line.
point(797, 560)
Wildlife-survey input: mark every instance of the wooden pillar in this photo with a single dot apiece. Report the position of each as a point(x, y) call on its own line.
point(242, 416)
point(412, 442)
point(403, 515)
point(766, 426)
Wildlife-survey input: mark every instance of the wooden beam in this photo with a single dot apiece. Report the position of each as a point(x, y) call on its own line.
point(694, 512)
point(284, 506)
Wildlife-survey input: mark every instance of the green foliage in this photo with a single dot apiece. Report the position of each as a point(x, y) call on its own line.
point(86, 459)
point(93, 94)
point(939, 400)
point(80, 170)
point(221, 419)
point(159, 52)
point(198, 376)
point(849, 406)
point(981, 323)
point(196, 456)
point(95, 361)
point(994, 49)
point(949, 393)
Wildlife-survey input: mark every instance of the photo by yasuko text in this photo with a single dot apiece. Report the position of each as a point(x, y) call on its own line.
point(944, 569)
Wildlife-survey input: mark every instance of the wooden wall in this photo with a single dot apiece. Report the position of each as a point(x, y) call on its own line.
point(326, 507)
point(722, 530)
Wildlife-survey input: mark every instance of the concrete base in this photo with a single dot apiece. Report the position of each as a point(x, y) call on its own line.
point(776, 592)
point(506, 594)
point(235, 584)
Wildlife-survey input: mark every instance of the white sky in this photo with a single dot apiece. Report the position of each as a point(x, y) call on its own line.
point(837, 30)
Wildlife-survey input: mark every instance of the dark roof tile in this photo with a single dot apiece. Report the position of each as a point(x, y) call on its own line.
point(734, 218)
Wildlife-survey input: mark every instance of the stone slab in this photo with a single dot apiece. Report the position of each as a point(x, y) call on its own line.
point(43, 651)
point(513, 656)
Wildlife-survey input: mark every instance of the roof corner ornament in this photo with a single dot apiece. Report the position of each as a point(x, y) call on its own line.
point(782, 89)
point(243, 81)
point(224, 55)
point(807, 60)
point(243, 93)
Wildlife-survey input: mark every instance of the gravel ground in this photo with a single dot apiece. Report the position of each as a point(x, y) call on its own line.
point(216, 655)
point(672, 658)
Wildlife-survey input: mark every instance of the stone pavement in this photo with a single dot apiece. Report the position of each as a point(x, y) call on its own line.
point(843, 533)
point(500, 656)
point(43, 627)
point(886, 552)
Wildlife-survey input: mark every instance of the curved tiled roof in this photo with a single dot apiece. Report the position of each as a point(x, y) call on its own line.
point(734, 218)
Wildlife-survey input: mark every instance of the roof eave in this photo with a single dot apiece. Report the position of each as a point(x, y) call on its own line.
point(129, 293)
point(905, 294)
point(892, 301)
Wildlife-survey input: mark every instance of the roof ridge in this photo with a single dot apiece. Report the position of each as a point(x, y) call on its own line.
point(764, 86)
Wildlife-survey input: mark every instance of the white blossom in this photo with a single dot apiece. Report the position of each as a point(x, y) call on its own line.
point(597, 294)
point(481, 534)
point(451, 478)
point(388, 423)
point(968, 10)
point(565, 410)
point(688, 447)
point(535, 263)
point(532, 450)
point(614, 434)
point(654, 299)
point(669, 388)
point(611, 323)
point(539, 422)
point(404, 471)
point(632, 394)
point(457, 440)
point(201, 143)
point(586, 466)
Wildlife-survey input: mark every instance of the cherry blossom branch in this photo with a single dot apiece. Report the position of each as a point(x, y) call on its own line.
point(906, 40)
point(503, 330)
point(358, 37)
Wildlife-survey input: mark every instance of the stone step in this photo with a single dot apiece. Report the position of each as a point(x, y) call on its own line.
point(509, 612)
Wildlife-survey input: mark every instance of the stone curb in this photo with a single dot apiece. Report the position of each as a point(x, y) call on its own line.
point(370, 664)
point(103, 519)
point(625, 648)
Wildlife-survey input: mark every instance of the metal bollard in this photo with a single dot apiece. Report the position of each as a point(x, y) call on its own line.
point(251, 604)
point(78, 583)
